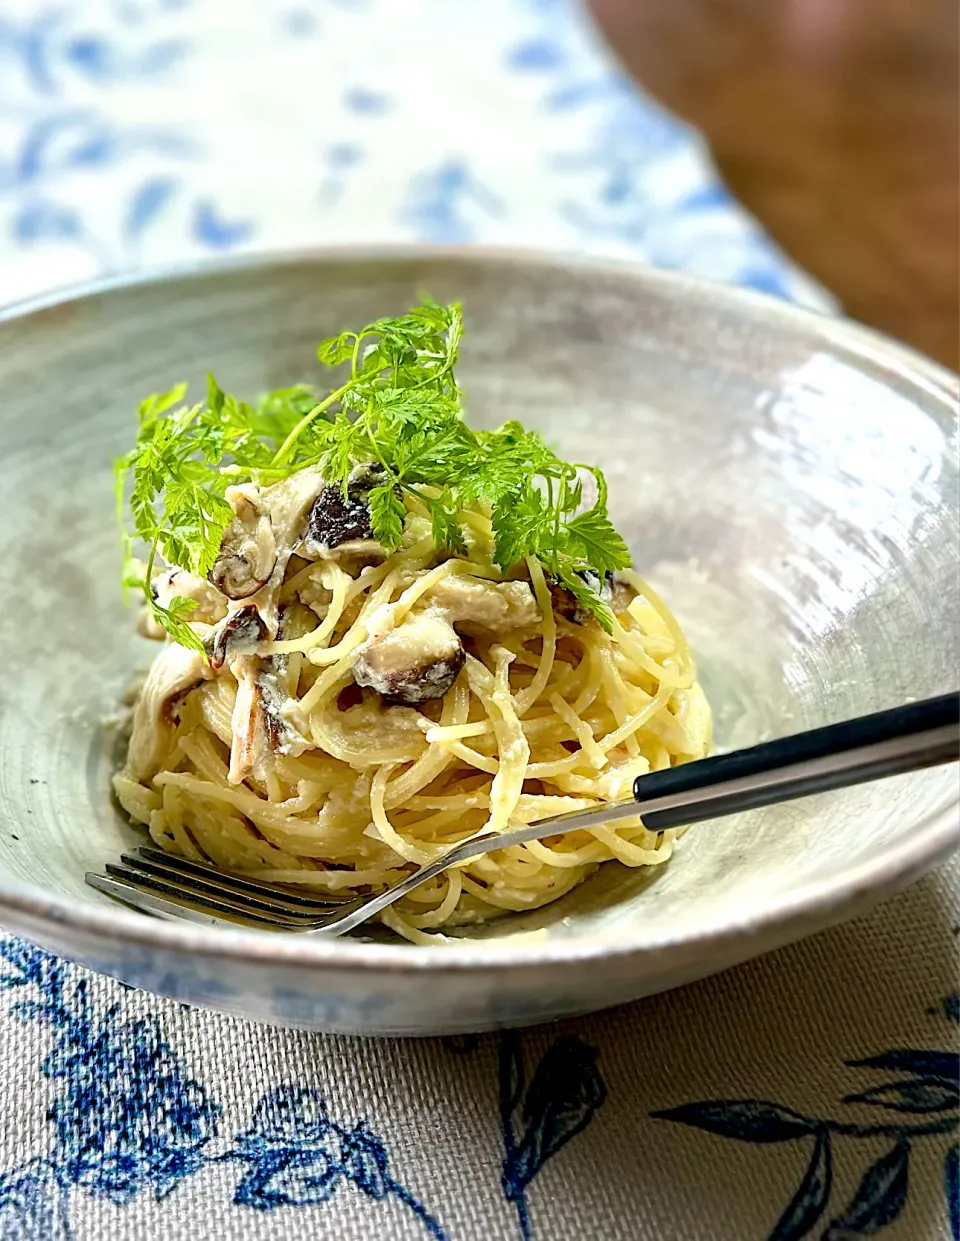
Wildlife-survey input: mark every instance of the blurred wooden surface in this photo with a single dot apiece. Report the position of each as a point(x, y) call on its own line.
point(836, 122)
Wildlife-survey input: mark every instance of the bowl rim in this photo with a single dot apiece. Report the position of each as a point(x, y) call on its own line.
point(823, 899)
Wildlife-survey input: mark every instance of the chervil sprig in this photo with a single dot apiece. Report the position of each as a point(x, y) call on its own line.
point(399, 406)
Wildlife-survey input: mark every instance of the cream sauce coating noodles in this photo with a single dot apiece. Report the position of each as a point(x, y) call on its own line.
point(278, 764)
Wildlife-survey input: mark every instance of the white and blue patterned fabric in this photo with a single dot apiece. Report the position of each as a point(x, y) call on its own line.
point(140, 132)
point(812, 1093)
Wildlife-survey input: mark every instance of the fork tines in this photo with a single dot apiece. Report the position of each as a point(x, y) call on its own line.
point(151, 872)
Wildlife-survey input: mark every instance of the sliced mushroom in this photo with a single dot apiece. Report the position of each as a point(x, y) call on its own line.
point(289, 503)
point(239, 633)
point(472, 603)
point(340, 523)
point(622, 594)
point(616, 593)
point(172, 583)
point(418, 660)
point(248, 549)
point(168, 584)
point(251, 738)
point(260, 729)
point(174, 672)
point(565, 602)
point(284, 735)
point(257, 545)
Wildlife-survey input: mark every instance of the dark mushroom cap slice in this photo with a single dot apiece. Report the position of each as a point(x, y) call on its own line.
point(565, 602)
point(417, 661)
point(339, 523)
point(239, 633)
point(616, 593)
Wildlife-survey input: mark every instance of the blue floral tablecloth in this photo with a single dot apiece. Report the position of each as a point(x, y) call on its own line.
point(812, 1093)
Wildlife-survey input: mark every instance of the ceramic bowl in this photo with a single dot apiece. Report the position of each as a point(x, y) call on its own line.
point(789, 482)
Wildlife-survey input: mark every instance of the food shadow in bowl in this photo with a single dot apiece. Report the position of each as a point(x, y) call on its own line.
point(789, 484)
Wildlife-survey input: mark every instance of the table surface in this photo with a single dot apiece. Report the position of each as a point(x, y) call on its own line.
point(836, 122)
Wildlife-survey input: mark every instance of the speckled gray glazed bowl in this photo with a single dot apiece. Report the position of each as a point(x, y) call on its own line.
point(789, 481)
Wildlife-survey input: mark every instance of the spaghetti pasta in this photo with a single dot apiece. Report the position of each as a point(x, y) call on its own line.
point(390, 631)
point(546, 715)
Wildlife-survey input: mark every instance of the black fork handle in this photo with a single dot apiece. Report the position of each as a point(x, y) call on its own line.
point(886, 743)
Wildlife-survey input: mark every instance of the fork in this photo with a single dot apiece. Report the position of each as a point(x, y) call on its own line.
point(886, 743)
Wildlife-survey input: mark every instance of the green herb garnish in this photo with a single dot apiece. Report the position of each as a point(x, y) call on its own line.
point(399, 406)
